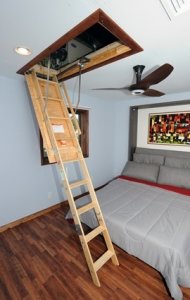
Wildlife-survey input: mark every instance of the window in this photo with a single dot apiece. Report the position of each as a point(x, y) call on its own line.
point(83, 117)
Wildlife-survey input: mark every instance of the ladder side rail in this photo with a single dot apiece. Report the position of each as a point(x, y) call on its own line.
point(99, 213)
point(71, 199)
point(71, 127)
point(60, 162)
point(39, 115)
point(93, 198)
point(65, 106)
point(42, 100)
point(79, 227)
point(71, 109)
point(65, 110)
point(90, 263)
point(46, 120)
point(61, 165)
point(92, 192)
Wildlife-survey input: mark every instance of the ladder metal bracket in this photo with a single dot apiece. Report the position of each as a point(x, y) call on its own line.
point(78, 229)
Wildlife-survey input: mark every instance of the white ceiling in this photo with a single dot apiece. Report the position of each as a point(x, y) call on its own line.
point(37, 24)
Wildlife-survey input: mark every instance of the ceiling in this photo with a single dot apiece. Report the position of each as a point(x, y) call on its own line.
point(38, 24)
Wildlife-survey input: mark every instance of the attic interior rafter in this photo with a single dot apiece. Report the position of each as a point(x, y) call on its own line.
point(112, 43)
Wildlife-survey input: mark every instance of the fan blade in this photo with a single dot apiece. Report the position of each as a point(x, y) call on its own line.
point(153, 93)
point(156, 76)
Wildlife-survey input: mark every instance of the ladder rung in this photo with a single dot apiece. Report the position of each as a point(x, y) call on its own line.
point(78, 183)
point(66, 149)
point(45, 80)
point(52, 98)
point(61, 136)
point(102, 260)
point(85, 208)
point(72, 160)
point(59, 118)
point(89, 236)
point(64, 139)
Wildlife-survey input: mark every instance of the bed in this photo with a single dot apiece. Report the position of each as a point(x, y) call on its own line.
point(147, 212)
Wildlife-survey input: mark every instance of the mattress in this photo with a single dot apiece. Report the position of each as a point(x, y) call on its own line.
point(150, 223)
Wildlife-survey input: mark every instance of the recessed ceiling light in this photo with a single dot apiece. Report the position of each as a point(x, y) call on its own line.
point(23, 50)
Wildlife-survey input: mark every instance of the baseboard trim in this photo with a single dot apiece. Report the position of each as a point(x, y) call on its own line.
point(33, 216)
point(44, 211)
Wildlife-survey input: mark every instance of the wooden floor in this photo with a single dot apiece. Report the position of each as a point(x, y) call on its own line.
point(42, 259)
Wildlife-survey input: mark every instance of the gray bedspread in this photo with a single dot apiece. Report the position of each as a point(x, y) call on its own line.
point(150, 223)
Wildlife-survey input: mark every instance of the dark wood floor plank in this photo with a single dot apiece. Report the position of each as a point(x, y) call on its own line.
point(4, 292)
point(42, 260)
point(32, 291)
point(11, 281)
point(57, 289)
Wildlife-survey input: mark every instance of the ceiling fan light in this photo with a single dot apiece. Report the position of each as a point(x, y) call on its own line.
point(137, 92)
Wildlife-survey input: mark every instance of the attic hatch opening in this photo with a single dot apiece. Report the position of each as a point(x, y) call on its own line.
point(97, 40)
point(94, 38)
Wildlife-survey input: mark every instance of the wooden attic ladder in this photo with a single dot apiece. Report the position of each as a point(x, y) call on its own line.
point(61, 142)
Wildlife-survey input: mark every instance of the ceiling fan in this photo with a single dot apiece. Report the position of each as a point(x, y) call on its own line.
point(142, 86)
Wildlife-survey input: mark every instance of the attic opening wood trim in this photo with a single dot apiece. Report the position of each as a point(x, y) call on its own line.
point(98, 17)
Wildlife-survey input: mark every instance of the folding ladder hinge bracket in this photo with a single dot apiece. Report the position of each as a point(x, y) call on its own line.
point(78, 229)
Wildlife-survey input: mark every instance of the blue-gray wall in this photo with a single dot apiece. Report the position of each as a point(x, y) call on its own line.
point(26, 186)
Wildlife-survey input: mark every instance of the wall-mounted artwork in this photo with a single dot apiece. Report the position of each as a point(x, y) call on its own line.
point(169, 128)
